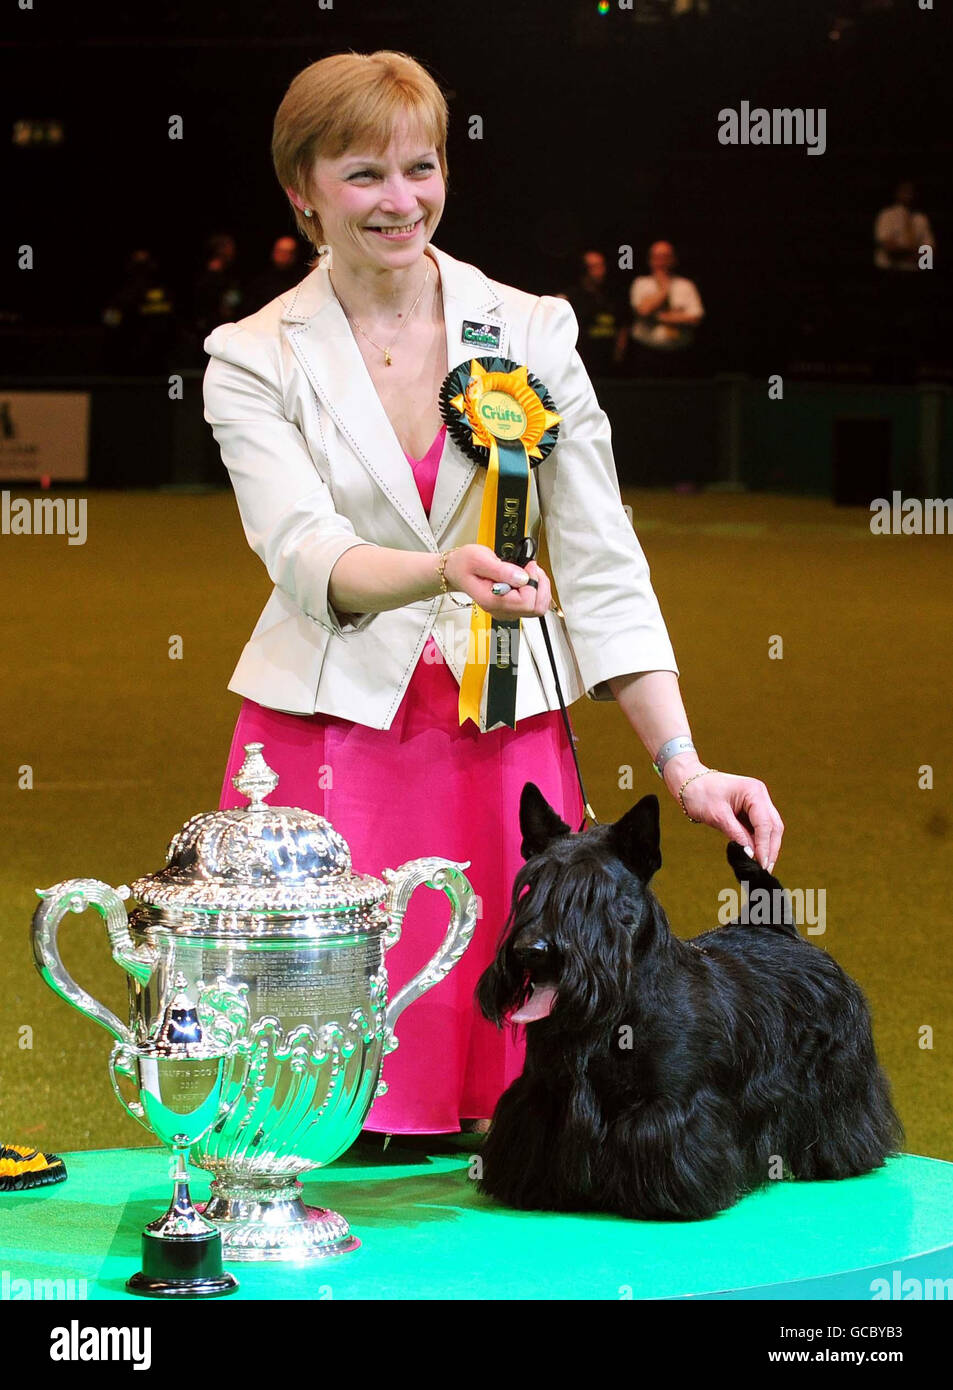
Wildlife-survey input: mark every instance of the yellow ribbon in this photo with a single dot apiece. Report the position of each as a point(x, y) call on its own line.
point(486, 428)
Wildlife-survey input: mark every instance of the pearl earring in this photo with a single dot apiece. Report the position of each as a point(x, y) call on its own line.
point(307, 212)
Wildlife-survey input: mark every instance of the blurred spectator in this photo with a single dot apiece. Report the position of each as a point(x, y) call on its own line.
point(217, 293)
point(140, 318)
point(905, 309)
point(899, 231)
point(668, 308)
point(602, 315)
point(283, 273)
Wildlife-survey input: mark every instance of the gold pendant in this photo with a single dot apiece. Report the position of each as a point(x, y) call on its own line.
point(386, 358)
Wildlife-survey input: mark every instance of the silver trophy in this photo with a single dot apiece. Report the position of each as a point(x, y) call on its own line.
point(282, 947)
point(180, 1078)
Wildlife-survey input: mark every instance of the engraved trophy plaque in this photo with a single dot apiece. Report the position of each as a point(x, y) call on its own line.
point(283, 948)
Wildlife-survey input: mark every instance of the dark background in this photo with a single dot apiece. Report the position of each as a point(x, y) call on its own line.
point(598, 130)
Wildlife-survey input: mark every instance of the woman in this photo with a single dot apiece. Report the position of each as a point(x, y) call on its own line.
point(325, 406)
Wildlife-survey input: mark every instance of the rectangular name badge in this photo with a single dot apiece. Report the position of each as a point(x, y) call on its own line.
point(481, 335)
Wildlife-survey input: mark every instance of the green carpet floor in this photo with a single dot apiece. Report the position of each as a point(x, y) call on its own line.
point(426, 1233)
point(125, 744)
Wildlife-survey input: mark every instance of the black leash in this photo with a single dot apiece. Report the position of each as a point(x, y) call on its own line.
point(527, 551)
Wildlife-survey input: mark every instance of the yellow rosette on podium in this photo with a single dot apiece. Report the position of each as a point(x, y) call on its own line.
point(504, 419)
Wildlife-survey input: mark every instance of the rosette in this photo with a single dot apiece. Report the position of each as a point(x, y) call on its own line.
point(504, 419)
point(22, 1167)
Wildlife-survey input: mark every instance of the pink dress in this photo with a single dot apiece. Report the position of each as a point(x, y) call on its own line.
point(426, 786)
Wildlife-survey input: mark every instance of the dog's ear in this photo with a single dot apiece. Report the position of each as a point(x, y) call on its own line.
point(748, 870)
point(635, 838)
point(538, 821)
point(767, 902)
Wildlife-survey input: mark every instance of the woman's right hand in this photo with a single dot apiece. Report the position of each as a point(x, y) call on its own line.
point(474, 569)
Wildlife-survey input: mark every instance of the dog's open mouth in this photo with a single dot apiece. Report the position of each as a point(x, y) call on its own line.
point(538, 1005)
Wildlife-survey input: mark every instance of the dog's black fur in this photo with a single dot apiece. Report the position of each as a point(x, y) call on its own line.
point(670, 1077)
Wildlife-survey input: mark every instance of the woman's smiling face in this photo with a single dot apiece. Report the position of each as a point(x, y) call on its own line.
point(380, 208)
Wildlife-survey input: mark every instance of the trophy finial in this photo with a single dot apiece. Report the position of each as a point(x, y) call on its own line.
point(255, 778)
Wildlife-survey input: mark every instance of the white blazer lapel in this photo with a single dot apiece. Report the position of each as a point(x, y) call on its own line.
point(323, 343)
point(467, 295)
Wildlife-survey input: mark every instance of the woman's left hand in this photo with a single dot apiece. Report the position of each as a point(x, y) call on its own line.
point(740, 807)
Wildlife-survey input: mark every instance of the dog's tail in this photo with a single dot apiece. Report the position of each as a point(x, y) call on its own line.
point(770, 904)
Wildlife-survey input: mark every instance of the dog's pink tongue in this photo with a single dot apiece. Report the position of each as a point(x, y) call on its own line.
point(538, 1005)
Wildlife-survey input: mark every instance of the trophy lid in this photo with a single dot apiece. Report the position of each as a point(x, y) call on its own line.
point(259, 858)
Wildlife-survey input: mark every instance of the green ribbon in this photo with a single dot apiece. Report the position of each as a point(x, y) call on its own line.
point(511, 506)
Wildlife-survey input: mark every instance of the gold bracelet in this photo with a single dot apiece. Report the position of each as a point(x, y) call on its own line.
point(441, 571)
point(704, 773)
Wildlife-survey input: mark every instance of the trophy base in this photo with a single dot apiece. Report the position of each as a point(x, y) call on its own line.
point(265, 1219)
point(187, 1266)
point(181, 1288)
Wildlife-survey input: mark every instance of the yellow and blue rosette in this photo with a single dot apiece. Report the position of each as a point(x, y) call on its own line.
point(503, 418)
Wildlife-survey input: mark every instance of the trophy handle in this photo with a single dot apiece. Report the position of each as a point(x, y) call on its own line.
point(75, 895)
point(122, 1063)
point(447, 877)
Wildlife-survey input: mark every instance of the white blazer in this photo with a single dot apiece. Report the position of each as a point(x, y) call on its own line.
point(317, 468)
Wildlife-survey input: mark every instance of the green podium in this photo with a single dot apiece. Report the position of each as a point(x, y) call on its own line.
point(426, 1232)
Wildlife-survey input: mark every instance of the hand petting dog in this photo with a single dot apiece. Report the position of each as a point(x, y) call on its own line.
point(740, 807)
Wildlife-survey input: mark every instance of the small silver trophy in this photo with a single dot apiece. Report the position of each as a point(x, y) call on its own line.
point(181, 1073)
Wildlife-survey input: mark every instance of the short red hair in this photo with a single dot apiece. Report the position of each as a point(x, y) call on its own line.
point(352, 100)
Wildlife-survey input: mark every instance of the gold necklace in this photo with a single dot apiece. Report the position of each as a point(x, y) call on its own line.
point(387, 350)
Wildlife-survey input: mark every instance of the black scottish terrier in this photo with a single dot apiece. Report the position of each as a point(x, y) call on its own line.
point(665, 1078)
